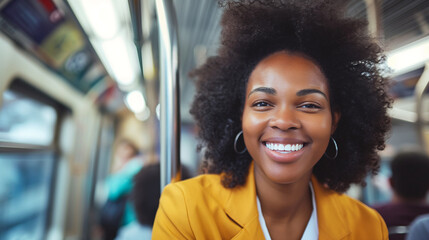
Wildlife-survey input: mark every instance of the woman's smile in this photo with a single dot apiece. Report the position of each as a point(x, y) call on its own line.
point(285, 156)
point(284, 150)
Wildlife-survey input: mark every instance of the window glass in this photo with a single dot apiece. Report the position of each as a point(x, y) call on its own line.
point(25, 182)
point(25, 120)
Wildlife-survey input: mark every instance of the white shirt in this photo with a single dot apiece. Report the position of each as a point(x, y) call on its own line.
point(311, 230)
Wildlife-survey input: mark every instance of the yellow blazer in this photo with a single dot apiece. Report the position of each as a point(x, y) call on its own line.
point(201, 208)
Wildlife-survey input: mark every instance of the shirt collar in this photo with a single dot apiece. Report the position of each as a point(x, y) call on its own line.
point(311, 230)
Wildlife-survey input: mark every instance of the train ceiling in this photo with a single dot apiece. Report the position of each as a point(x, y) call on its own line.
point(397, 23)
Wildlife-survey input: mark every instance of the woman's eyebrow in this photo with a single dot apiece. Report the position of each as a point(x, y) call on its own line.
point(268, 90)
point(310, 91)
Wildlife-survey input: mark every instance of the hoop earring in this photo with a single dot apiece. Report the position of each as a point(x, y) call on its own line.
point(235, 143)
point(336, 150)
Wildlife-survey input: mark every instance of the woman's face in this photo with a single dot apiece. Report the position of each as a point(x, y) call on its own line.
point(287, 120)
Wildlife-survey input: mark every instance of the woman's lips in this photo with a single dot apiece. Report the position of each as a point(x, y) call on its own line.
point(284, 152)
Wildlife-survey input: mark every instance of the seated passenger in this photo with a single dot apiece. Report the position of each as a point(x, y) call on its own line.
point(117, 211)
point(145, 198)
point(410, 184)
point(419, 228)
point(291, 111)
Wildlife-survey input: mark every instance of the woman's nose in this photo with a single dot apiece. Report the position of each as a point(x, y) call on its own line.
point(285, 118)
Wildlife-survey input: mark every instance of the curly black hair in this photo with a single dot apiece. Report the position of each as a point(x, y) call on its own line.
point(348, 56)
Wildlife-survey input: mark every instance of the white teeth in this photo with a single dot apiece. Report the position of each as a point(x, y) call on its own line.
point(284, 147)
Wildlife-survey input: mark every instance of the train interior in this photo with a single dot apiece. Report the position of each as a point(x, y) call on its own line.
point(79, 76)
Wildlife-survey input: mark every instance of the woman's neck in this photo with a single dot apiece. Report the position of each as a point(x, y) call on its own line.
point(285, 207)
point(283, 200)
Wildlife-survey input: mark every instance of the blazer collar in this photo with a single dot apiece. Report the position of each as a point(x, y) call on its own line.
point(329, 213)
point(241, 208)
point(241, 202)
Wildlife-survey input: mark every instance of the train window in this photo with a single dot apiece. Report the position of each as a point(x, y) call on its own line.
point(29, 123)
point(25, 120)
point(25, 184)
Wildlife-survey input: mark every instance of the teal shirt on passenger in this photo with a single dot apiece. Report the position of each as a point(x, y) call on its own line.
point(121, 183)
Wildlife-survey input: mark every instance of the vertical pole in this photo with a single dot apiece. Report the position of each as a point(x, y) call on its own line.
point(169, 92)
point(373, 11)
point(421, 86)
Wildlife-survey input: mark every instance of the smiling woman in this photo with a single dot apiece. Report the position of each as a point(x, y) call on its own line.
point(294, 114)
point(288, 80)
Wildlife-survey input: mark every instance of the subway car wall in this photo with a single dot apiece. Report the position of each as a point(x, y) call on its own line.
point(78, 84)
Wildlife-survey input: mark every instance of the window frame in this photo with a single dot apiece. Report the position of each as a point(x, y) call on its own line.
point(19, 86)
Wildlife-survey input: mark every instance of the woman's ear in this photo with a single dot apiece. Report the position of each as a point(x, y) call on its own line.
point(335, 119)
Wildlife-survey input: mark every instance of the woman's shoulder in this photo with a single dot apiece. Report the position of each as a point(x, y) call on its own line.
point(359, 216)
point(349, 206)
point(183, 204)
point(191, 193)
point(357, 208)
point(340, 211)
point(344, 203)
point(202, 180)
point(204, 185)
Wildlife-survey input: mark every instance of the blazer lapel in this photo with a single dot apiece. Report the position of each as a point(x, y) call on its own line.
point(240, 206)
point(241, 209)
point(329, 213)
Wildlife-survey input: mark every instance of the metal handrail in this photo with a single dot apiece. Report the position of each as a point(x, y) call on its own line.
point(421, 86)
point(169, 92)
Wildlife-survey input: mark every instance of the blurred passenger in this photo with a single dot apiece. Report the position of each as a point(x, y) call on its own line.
point(118, 211)
point(145, 196)
point(419, 228)
point(410, 184)
point(126, 151)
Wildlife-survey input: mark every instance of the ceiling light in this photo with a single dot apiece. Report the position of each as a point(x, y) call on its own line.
point(135, 101)
point(101, 16)
point(409, 57)
point(105, 21)
point(143, 116)
point(119, 60)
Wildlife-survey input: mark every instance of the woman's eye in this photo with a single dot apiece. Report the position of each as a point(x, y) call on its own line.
point(310, 107)
point(261, 104)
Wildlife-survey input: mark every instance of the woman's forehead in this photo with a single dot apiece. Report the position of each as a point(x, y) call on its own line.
point(289, 69)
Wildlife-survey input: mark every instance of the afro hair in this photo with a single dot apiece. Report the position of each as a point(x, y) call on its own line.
point(350, 59)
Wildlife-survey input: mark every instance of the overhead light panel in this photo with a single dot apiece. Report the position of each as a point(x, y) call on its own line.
point(409, 57)
point(102, 17)
point(119, 60)
point(106, 22)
